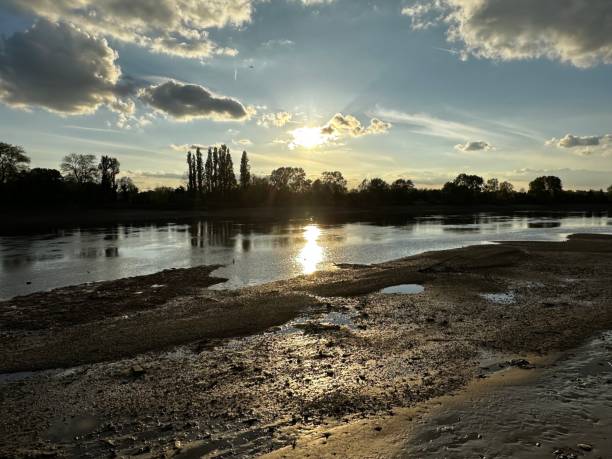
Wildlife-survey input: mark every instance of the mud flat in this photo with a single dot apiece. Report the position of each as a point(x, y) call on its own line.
point(287, 368)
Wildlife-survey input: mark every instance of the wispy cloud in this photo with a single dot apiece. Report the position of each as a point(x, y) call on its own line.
point(86, 128)
point(422, 123)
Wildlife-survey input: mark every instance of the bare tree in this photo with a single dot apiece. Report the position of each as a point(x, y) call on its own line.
point(12, 161)
point(79, 168)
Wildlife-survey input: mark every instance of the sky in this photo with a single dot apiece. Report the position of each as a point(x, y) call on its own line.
point(374, 88)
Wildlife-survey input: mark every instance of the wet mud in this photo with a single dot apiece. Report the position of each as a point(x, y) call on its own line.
point(261, 370)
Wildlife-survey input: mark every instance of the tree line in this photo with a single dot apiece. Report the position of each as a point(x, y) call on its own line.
point(85, 181)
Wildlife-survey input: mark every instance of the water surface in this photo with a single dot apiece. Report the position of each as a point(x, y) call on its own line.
point(406, 289)
point(255, 253)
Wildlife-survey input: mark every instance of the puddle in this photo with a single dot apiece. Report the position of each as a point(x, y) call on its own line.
point(500, 298)
point(18, 376)
point(338, 318)
point(326, 321)
point(406, 289)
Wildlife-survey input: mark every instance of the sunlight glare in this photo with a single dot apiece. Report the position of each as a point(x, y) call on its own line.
point(312, 253)
point(308, 137)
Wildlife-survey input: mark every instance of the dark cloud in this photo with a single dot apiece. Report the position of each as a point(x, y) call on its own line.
point(65, 70)
point(574, 31)
point(178, 27)
point(189, 101)
point(59, 68)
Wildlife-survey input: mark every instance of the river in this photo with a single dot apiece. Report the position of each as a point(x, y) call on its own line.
point(253, 253)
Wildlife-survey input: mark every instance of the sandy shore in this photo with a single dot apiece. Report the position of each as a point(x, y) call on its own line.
point(159, 366)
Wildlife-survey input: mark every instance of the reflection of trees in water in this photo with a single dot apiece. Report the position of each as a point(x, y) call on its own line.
point(462, 229)
point(544, 224)
point(90, 252)
point(111, 252)
point(245, 244)
point(209, 233)
point(98, 252)
point(402, 221)
point(454, 220)
point(13, 263)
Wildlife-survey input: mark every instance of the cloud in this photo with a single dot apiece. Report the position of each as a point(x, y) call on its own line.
point(425, 124)
point(185, 102)
point(337, 128)
point(584, 145)
point(242, 142)
point(279, 43)
point(175, 27)
point(315, 2)
point(57, 67)
point(341, 125)
point(572, 141)
point(570, 31)
point(278, 119)
point(187, 146)
point(474, 146)
point(155, 174)
point(178, 27)
point(60, 68)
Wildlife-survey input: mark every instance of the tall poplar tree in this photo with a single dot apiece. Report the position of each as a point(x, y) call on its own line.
point(208, 171)
point(245, 171)
point(199, 171)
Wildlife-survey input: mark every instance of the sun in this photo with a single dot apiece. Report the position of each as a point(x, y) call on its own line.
point(308, 137)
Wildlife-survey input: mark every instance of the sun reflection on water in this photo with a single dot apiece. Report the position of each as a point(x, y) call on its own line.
point(312, 253)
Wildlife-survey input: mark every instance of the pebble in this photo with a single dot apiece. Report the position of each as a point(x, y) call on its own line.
point(585, 446)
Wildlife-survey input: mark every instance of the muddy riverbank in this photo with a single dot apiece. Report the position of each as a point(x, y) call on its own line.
point(191, 372)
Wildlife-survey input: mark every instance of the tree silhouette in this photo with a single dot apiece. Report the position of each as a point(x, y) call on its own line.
point(221, 169)
point(492, 186)
point(87, 183)
point(12, 161)
point(506, 190)
point(199, 171)
point(127, 190)
point(245, 171)
point(229, 174)
point(402, 185)
point(215, 171)
point(291, 179)
point(108, 169)
point(334, 181)
point(473, 183)
point(79, 169)
point(190, 180)
point(208, 171)
point(401, 191)
point(546, 187)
